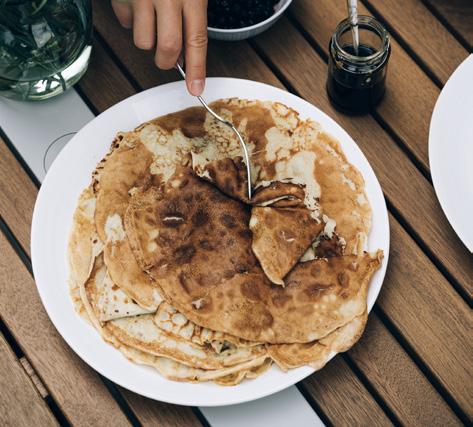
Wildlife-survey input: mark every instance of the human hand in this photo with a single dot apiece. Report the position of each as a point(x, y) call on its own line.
point(177, 25)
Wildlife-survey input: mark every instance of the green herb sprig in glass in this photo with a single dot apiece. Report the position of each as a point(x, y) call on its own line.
point(39, 40)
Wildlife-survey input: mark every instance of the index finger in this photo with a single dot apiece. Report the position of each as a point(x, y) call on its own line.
point(195, 33)
point(124, 13)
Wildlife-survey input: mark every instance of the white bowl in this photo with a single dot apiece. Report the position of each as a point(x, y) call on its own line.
point(236, 34)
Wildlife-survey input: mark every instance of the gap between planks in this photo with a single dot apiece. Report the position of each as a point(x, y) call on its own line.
point(436, 11)
point(26, 365)
point(395, 34)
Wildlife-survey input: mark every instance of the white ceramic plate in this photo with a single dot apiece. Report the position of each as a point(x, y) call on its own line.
point(451, 150)
point(52, 218)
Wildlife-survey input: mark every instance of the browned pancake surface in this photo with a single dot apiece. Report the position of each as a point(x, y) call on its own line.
point(192, 232)
point(280, 238)
point(196, 244)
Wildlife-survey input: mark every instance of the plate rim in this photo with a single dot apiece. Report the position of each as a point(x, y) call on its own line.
point(445, 202)
point(303, 372)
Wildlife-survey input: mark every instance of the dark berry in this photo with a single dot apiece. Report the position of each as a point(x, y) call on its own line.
point(239, 13)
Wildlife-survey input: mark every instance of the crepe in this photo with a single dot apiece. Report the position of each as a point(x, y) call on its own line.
point(236, 378)
point(84, 247)
point(194, 234)
point(343, 198)
point(112, 303)
point(74, 292)
point(176, 268)
point(174, 323)
point(169, 368)
point(84, 244)
point(282, 226)
point(317, 353)
point(126, 166)
point(179, 372)
point(297, 151)
point(128, 276)
point(141, 333)
point(217, 284)
point(280, 237)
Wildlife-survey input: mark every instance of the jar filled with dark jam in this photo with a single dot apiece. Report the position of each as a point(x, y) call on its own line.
point(357, 77)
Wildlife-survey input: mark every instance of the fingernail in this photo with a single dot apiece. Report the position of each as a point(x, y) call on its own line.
point(197, 87)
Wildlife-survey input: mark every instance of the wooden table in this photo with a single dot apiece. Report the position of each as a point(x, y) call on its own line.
point(413, 365)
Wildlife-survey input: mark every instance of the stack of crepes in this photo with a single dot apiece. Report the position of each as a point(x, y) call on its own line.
point(175, 267)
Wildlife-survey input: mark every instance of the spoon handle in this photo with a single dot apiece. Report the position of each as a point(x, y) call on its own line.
point(352, 7)
point(246, 154)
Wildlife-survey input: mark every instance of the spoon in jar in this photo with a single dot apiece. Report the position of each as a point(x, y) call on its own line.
point(353, 18)
point(232, 126)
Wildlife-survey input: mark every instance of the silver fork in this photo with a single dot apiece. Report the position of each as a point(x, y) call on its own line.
point(232, 126)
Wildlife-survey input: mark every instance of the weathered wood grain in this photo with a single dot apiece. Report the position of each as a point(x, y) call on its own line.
point(430, 316)
point(152, 413)
point(104, 83)
point(398, 380)
point(20, 403)
point(434, 45)
point(77, 389)
point(17, 195)
point(458, 14)
point(354, 405)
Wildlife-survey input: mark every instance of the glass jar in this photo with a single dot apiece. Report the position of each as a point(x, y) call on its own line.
point(356, 80)
point(45, 46)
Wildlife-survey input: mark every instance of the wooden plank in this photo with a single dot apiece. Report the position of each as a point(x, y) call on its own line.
point(405, 187)
point(242, 61)
point(343, 398)
point(424, 34)
point(17, 195)
point(410, 93)
point(395, 377)
point(77, 389)
point(41, 389)
point(430, 316)
point(458, 14)
point(20, 403)
point(104, 84)
point(158, 414)
point(391, 372)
